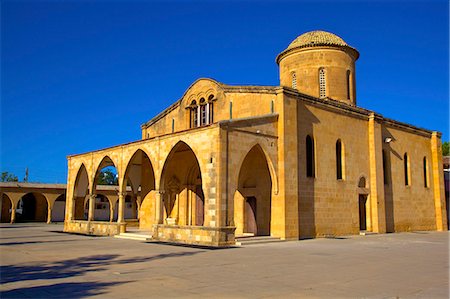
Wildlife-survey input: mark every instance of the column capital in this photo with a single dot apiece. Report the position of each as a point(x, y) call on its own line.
point(124, 193)
point(92, 195)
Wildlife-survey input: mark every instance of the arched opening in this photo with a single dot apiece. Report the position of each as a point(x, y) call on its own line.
point(339, 160)
point(106, 175)
point(362, 182)
point(32, 207)
point(59, 208)
point(348, 84)
point(322, 83)
point(425, 173)
point(310, 157)
point(80, 193)
point(181, 182)
point(140, 177)
point(406, 169)
point(294, 80)
point(102, 208)
point(6, 209)
point(253, 199)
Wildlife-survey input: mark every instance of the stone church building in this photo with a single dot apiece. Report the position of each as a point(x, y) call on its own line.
point(294, 161)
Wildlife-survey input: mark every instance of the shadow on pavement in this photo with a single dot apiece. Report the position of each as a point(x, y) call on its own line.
point(61, 290)
point(74, 267)
point(35, 242)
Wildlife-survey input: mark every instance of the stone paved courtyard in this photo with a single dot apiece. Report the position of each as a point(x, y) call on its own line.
point(39, 261)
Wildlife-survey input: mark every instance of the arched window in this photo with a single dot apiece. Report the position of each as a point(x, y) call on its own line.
point(385, 168)
point(406, 169)
point(339, 160)
point(348, 85)
point(193, 114)
point(310, 169)
point(211, 109)
point(322, 83)
point(203, 116)
point(362, 182)
point(425, 172)
point(294, 80)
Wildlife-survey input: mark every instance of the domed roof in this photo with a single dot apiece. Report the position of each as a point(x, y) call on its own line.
point(317, 38)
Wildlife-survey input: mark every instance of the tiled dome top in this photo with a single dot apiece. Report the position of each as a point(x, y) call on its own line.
point(317, 38)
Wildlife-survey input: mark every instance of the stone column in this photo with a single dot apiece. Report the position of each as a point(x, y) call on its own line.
point(91, 207)
point(121, 212)
point(49, 214)
point(13, 213)
point(438, 182)
point(111, 212)
point(158, 206)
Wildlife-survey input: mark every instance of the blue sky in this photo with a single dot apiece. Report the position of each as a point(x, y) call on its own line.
point(83, 75)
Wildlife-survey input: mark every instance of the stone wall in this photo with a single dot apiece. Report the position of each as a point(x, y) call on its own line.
point(94, 228)
point(195, 235)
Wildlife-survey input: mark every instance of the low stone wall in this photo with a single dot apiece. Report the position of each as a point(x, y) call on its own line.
point(95, 228)
point(195, 235)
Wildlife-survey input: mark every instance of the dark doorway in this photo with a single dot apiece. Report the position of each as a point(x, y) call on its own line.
point(362, 212)
point(32, 207)
point(250, 215)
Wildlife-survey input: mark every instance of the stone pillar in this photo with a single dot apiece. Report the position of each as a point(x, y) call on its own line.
point(111, 212)
point(438, 181)
point(49, 214)
point(121, 211)
point(158, 207)
point(239, 213)
point(13, 213)
point(91, 207)
point(377, 201)
point(284, 218)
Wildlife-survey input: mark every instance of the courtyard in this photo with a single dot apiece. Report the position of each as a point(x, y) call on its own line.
point(40, 261)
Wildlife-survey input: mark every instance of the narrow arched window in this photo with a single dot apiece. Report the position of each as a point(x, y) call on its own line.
point(211, 109)
point(425, 172)
point(322, 83)
point(193, 119)
point(310, 169)
point(294, 80)
point(348, 85)
point(203, 116)
point(385, 168)
point(406, 169)
point(339, 159)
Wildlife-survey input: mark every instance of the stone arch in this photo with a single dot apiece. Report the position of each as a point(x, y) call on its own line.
point(140, 175)
point(273, 173)
point(182, 187)
point(7, 204)
point(105, 162)
point(32, 206)
point(80, 191)
point(253, 196)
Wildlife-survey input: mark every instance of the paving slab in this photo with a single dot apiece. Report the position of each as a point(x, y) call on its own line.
point(40, 261)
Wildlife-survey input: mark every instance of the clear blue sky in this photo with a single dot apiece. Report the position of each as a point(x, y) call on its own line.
point(83, 75)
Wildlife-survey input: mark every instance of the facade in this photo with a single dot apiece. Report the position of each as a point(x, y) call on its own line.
point(298, 160)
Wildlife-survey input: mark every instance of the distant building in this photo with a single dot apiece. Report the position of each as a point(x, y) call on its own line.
point(293, 161)
point(37, 202)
